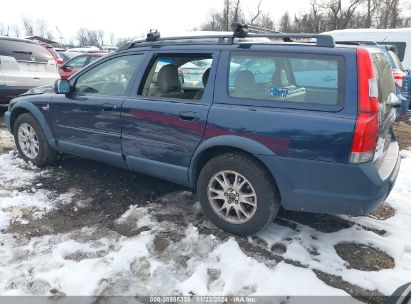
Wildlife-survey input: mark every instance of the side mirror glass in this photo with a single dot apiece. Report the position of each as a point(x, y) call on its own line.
point(62, 86)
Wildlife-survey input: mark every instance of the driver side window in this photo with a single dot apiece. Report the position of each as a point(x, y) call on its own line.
point(109, 78)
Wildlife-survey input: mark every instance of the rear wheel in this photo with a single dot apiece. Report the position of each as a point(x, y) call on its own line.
point(237, 194)
point(31, 141)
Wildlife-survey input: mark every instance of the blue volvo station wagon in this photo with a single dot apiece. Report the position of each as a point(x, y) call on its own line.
point(267, 123)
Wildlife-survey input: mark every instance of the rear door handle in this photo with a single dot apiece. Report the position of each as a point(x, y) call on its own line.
point(109, 107)
point(189, 116)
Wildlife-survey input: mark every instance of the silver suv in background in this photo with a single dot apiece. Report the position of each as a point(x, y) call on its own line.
point(24, 64)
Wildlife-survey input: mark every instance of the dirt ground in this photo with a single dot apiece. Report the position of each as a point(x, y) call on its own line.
point(402, 131)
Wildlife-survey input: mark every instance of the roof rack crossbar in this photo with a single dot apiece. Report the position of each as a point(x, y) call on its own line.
point(322, 40)
point(240, 31)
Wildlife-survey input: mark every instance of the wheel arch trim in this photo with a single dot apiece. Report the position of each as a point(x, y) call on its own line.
point(33, 110)
point(227, 141)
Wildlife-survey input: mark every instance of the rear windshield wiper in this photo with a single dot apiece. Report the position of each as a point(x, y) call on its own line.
point(23, 52)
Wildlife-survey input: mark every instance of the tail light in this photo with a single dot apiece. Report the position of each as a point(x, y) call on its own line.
point(366, 127)
point(398, 77)
point(59, 61)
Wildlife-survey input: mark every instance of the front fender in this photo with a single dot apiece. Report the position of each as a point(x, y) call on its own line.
point(246, 144)
point(33, 110)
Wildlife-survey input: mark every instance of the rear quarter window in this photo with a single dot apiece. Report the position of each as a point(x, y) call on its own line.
point(385, 79)
point(304, 79)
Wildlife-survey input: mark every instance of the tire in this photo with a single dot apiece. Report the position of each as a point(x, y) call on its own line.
point(262, 196)
point(42, 154)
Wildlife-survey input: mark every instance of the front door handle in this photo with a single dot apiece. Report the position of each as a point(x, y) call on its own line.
point(109, 107)
point(188, 115)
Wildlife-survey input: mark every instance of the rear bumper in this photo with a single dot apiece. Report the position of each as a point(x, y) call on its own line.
point(8, 93)
point(335, 188)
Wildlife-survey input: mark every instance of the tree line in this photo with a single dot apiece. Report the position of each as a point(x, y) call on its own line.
point(321, 16)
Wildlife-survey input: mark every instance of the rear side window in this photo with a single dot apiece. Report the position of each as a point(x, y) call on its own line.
point(294, 78)
point(385, 79)
point(24, 51)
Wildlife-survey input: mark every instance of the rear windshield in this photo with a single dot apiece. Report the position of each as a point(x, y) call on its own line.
point(287, 78)
point(24, 51)
point(385, 80)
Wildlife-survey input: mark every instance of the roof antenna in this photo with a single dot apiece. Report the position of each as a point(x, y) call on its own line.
point(153, 35)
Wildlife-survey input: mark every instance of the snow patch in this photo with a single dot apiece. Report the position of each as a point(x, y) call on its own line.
point(23, 205)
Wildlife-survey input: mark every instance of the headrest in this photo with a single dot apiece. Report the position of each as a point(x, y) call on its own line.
point(280, 78)
point(244, 79)
point(205, 77)
point(167, 79)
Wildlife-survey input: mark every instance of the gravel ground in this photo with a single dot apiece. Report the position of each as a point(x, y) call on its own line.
point(101, 194)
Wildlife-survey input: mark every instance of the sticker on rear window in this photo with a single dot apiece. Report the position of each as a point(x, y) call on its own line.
point(283, 92)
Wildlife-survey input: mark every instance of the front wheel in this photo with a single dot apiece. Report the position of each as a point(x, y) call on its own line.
point(31, 141)
point(237, 194)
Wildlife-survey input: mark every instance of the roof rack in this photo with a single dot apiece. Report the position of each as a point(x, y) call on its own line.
point(241, 31)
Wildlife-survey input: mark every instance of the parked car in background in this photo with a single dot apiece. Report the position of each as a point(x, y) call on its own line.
point(401, 38)
point(398, 72)
point(248, 147)
point(86, 49)
point(77, 63)
point(66, 56)
point(53, 52)
point(24, 64)
point(406, 88)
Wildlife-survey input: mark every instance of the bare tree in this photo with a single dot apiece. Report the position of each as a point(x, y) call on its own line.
point(236, 12)
point(285, 23)
point(112, 39)
point(100, 37)
point(15, 29)
point(226, 15)
point(41, 28)
point(372, 6)
point(28, 26)
point(340, 16)
point(4, 31)
point(257, 13)
point(88, 37)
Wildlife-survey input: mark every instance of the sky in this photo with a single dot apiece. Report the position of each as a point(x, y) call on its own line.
point(127, 18)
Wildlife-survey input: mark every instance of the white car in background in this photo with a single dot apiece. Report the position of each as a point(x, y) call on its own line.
point(400, 38)
point(24, 64)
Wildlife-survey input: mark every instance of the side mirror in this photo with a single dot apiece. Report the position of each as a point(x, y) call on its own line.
point(62, 86)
